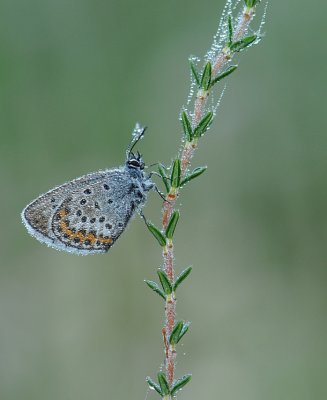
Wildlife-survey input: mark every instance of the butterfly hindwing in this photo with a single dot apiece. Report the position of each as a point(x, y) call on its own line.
point(86, 215)
point(94, 217)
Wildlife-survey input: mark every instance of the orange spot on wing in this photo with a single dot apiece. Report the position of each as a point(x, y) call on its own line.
point(106, 241)
point(62, 213)
point(64, 227)
point(80, 236)
point(92, 238)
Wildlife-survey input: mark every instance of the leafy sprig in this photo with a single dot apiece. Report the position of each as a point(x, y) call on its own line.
point(195, 125)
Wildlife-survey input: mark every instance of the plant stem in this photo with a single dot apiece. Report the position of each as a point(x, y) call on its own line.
point(187, 152)
point(243, 22)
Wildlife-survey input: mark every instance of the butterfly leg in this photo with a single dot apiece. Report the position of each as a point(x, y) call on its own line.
point(143, 217)
point(160, 194)
point(155, 173)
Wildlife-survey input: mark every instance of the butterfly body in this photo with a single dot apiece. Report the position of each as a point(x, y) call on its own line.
point(88, 214)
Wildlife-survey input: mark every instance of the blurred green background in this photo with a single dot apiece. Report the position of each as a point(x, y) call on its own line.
point(74, 78)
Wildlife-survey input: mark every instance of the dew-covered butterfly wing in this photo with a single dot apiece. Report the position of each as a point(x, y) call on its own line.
point(88, 214)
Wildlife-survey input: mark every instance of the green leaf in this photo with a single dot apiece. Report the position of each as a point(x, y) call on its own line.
point(155, 287)
point(230, 30)
point(180, 383)
point(223, 75)
point(243, 43)
point(164, 177)
point(195, 74)
point(203, 125)
point(157, 234)
point(153, 385)
point(163, 383)
point(251, 3)
point(165, 282)
point(187, 127)
point(175, 333)
point(176, 174)
point(182, 276)
point(184, 330)
point(172, 225)
point(194, 174)
point(206, 76)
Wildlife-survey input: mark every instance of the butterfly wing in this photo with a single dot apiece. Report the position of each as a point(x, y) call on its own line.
point(86, 215)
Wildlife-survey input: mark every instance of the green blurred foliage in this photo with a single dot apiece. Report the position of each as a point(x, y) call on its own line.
point(74, 78)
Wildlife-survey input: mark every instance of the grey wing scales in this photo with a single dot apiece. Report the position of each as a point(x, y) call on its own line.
point(84, 216)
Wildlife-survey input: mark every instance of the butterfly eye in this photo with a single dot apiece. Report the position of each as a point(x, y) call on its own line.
point(134, 163)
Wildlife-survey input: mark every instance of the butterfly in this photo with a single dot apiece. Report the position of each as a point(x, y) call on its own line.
point(88, 214)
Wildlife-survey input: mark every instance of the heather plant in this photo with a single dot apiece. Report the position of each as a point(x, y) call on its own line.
point(234, 36)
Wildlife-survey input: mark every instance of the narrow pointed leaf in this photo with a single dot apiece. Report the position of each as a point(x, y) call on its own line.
point(251, 3)
point(180, 383)
point(172, 225)
point(176, 174)
point(230, 30)
point(203, 125)
point(154, 386)
point(182, 276)
point(155, 287)
point(243, 43)
point(163, 383)
point(157, 234)
point(206, 76)
point(175, 333)
point(164, 177)
point(223, 75)
point(195, 74)
point(165, 282)
point(187, 127)
point(184, 330)
point(194, 174)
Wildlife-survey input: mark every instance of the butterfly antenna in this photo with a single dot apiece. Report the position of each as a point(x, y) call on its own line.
point(137, 135)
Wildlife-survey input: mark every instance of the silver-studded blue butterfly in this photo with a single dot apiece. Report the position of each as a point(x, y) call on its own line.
point(88, 214)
